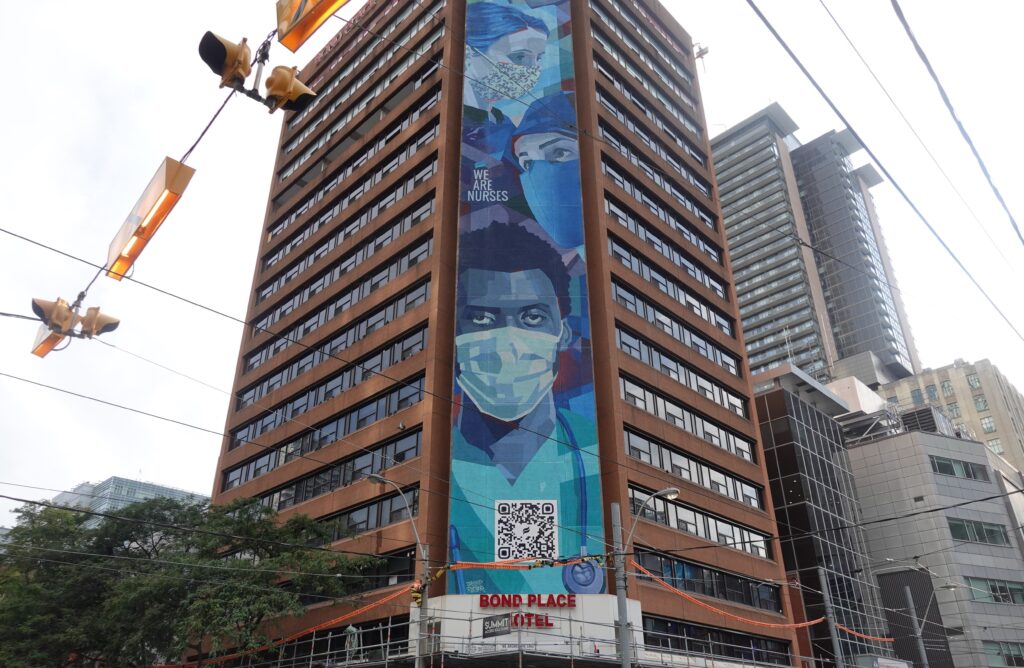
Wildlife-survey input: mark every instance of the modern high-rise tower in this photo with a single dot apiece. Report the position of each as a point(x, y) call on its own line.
point(493, 271)
point(815, 283)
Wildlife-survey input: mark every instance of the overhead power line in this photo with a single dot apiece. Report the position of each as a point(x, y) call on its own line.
point(835, 109)
point(956, 119)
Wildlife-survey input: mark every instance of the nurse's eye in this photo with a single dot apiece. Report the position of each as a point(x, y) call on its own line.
point(534, 317)
point(527, 163)
point(561, 155)
point(482, 318)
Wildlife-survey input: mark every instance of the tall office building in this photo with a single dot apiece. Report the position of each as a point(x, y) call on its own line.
point(428, 305)
point(977, 396)
point(833, 313)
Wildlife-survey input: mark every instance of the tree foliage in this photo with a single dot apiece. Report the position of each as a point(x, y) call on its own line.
point(162, 580)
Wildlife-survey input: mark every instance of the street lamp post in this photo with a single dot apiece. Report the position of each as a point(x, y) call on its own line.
point(918, 623)
point(421, 645)
point(625, 646)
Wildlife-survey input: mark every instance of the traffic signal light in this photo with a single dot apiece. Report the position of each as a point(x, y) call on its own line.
point(94, 322)
point(233, 62)
point(284, 90)
point(297, 20)
point(58, 321)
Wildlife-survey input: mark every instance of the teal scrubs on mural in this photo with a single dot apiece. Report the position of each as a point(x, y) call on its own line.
point(479, 486)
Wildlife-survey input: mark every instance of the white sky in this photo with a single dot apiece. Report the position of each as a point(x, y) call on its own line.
point(102, 97)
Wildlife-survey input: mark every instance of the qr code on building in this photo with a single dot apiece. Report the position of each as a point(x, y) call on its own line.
point(525, 529)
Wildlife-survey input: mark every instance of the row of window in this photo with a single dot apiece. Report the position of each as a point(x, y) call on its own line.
point(341, 341)
point(648, 85)
point(371, 212)
point(692, 470)
point(676, 291)
point(996, 591)
point(960, 469)
point(685, 418)
point(753, 307)
point(332, 386)
point(698, 523)
point(675, 636)
point(666, 248)
point(647, 60)
point(640, 132)
point(333, 273)
point(347, 471)
point(642, 195)
point(978, 532)
point(1000, 654)
point(352, 62)
point(707, 581)
point(342, 175)
point(663, 212)
point(637, 128)
point(647, 310)
point(655, 174)
point(346, 298)
point(668, 364)
point(364, 251)
point(372, 410)
point(356, 109)
point(380, 512)
point(639, 27)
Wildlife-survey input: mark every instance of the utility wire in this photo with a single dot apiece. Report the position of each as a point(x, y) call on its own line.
point(881, 166)
point(913, 130)
point(956, 119)
point(18, 315)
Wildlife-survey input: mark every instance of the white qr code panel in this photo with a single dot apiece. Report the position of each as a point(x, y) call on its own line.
point(525, 529)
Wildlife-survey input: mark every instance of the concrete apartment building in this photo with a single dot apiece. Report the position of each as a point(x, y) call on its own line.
point(833, 313)
point(976, 395)
point(963, 566)
point(116, 492)
point(428, 306)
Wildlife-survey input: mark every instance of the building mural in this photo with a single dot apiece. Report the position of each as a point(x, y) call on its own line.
point(524, 477)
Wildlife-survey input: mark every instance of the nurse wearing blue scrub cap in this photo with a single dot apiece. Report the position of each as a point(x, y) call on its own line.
point(546, 147)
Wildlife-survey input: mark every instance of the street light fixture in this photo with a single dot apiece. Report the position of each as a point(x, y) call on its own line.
point(424, 555)
point(625, 647)
point(917, 622)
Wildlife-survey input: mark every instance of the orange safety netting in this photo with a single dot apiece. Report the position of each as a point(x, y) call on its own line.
point(863, 635)
point(518, 564)
point(724, 613)
point(298, 634)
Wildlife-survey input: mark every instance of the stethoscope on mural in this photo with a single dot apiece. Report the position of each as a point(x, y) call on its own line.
point(581, 578)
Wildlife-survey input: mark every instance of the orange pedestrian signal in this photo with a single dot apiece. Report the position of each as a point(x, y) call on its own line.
point(297, 20)
point(232, 62)
point(284, 90)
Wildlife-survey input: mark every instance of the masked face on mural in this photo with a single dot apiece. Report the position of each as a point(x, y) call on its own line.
point(508, 69)
point(551, 168)
point(509, 333)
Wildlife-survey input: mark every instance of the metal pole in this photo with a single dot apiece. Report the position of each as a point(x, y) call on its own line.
point(424, 621)
point(826, 598)
point(625, 646)
point(912, 611)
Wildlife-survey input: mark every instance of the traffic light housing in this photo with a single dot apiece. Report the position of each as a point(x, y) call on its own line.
point(94, 322)
point(58, 321)
point(284, 90)
point(232, 62)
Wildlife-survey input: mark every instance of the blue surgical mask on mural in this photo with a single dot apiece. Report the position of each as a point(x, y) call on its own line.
point(552, 191)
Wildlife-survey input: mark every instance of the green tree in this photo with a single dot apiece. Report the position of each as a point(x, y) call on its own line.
point(162, 580)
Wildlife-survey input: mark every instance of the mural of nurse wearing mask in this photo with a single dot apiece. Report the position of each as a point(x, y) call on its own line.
point(524, 479)
point(546, 148)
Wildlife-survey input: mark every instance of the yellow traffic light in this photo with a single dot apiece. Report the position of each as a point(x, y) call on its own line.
point(58, 321)
point(284, 90)
point(297, 20)
point(160, 196)
point(233, 62)
point(94, 322)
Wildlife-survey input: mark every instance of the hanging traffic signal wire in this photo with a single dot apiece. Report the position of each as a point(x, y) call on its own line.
point(956, 119)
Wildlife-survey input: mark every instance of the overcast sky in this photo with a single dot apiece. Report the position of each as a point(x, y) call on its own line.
point(96, 99)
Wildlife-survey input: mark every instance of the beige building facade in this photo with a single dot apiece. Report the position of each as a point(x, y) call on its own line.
point(977, 396)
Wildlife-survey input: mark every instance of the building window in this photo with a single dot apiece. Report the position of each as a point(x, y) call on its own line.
point(958, 468)
point(995, 445)
point(669, 635)
point(996, 591)
point(700, 579)
point(980, 402)
point(933, 394)
point(973, 531)
point(947, 388)
point(1004, 653)
point(973, 381)
point(953, 409)
point(988, 424)
point(916, 397)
